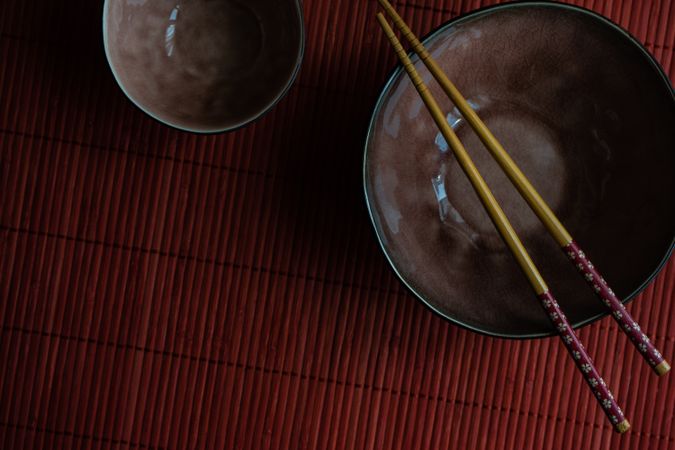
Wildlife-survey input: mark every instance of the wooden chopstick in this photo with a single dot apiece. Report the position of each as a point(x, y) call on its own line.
point(555, 314)
point(538, 205)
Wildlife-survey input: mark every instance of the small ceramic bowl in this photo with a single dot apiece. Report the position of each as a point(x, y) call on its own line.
point(204, 66)
point(588, 116)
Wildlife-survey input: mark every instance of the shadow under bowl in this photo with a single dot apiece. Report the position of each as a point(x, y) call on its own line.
point(204, 66)
point(588, 116)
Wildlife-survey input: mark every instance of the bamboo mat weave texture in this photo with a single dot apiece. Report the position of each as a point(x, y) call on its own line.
point(161, 290)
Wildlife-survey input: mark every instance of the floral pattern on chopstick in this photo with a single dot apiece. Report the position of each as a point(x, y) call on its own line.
point(606, 294)
point(581, 359)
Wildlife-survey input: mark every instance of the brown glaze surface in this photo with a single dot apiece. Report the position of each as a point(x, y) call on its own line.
point(203, 65)
point(591, 124)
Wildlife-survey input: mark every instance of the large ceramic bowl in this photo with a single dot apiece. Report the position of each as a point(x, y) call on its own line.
point(588, 116)
point(204, 66)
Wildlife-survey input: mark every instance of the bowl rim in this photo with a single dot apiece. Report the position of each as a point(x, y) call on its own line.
point(394, 74)
point(282, 93)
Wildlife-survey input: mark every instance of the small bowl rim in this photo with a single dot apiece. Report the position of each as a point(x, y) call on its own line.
point(394, 74)
point(282, 93)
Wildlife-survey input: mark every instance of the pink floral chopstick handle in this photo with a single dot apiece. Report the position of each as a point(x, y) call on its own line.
point(639, 339)
point(584, 363)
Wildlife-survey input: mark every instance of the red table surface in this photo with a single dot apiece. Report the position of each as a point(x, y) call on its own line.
point(160, 289)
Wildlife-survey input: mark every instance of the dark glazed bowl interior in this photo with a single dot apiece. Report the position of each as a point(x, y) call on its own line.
point(590, 119)
point(200, 65)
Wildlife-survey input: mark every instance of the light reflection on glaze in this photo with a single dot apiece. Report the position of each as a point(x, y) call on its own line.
point(447, 212)
point(438, 183)
point(464, 39)
point(455, 119)
point(170, 34)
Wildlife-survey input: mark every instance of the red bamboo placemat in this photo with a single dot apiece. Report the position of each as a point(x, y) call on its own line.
point(165, 290)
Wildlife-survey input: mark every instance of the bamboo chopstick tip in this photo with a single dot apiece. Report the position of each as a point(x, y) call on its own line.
point(662, 368)
point(622, 427)
point(383, 22)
